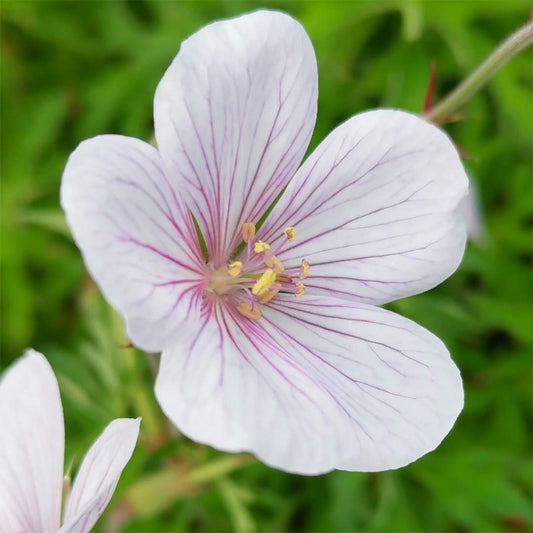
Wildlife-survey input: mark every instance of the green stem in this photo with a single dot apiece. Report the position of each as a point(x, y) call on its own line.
point(513, 45)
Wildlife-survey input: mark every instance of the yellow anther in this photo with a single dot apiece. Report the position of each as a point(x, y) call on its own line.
point(304, 269)
point(290, 233)
point(264, 282)
point(299, 289)
point(234, 269)
point(271, 261)
point(249, 311)
point(248, 231)
point(261, 246)
point(266, 296)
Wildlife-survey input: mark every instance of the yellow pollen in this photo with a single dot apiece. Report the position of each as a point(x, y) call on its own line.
point(264, 282)
point(304, 269)
point(299, 289)
point(271, 261)
point(246, 309)
point(248, 231)
point(261, 246)
point(267, 295)
point(234, 269)
point(290, 233)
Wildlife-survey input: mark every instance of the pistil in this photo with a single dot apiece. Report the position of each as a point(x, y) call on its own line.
point(222, 281)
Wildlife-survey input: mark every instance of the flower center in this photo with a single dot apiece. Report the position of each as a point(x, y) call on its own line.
point(221, 282)
point(260, 274)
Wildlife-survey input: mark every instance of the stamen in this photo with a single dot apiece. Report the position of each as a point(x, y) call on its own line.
point(264, 282)
point(260, 287)
point(248, 231)
point(283, 278)
point(271, 261)
point(290, 233)
point(304, 269)
point(234, 269)
point(266, 296)
point(299, 289)
point(249, 311)
point(261, 246)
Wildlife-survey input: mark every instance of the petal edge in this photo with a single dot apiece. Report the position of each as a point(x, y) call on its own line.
point(98, 475)
point(313, 386)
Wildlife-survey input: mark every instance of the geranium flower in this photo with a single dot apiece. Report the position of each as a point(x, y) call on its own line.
point(31, 456)
point(271, 338)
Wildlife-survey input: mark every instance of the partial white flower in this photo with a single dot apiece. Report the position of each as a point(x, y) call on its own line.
point(271, 338)
point(32, 443)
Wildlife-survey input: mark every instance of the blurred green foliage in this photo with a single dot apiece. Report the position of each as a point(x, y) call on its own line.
point(71, 70)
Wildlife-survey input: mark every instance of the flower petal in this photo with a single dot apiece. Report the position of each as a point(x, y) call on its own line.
point(136, 236)
point(98, 475)
point(315, 384)
point(32, 441)
point(233, 117)
point(376, 209)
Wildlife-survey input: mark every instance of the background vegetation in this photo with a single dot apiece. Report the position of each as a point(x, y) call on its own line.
point(72, 70)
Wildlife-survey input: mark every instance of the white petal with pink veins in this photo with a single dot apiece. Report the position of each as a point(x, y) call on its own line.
point(98, 475)
point(315, 384)
point(233, 117)
point(376, 208)
point(31, 447)
point(136, 236)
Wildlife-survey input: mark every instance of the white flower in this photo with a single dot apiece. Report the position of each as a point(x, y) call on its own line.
point(271, 338)
point(32, 443)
